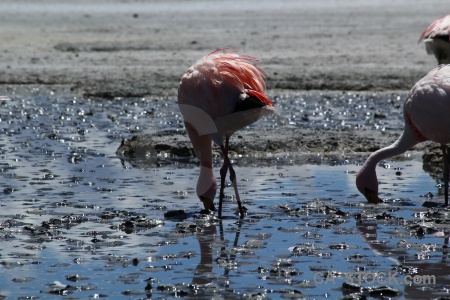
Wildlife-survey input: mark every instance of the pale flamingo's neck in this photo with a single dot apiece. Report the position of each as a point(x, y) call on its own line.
point(206, 184)
point(406, 141)
point(367, 177)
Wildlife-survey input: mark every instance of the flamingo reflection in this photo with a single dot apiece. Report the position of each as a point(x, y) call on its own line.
point(408, 264)
point(204, 272)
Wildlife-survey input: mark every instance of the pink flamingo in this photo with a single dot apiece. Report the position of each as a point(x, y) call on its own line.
point(427, 118)
point(437, 39)
point(218, 95)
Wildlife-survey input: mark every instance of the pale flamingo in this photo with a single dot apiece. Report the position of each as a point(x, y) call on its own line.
point(437, 39)
point(427, 118)
point(218, 95)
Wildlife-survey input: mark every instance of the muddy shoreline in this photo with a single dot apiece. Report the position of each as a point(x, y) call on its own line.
point(288, 146)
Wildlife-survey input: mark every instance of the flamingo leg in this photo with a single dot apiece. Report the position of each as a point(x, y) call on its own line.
point(445, 156)
point(238, 199)
point(223, 172)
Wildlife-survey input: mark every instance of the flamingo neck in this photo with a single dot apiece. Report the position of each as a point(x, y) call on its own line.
point(206, 184)
point(366, 180)
point(407, 140)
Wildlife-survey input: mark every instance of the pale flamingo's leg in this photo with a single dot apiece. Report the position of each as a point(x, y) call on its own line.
point(445, 158)
point(227, 162)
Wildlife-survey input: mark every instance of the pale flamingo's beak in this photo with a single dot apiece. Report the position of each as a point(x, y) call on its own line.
point(372, 196)
point(207, 203)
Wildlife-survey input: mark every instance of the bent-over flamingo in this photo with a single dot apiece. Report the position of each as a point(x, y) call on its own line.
point(437, 39)
point(218, 95)
point(427, 118)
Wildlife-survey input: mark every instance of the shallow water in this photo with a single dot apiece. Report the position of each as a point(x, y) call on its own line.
point(77, 221)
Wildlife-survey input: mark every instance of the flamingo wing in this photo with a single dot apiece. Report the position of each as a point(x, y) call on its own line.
point(439, 28)
point(222, 83)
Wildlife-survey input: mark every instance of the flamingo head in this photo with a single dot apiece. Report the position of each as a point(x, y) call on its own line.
point(208, 199)
point(207, 187)
point(367, 184)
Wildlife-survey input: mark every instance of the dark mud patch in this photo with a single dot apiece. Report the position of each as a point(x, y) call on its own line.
point(301, 145)
point(433, 161)
point(172, 143)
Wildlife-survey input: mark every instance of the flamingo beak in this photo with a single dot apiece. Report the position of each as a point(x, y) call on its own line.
point(207, 203)
point(372, 197)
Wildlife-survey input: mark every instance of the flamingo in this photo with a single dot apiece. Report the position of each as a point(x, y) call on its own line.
point(218, 95)
point(437, 39)
point(426, 112)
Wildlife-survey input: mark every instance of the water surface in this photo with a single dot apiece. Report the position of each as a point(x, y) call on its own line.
point(78, 220)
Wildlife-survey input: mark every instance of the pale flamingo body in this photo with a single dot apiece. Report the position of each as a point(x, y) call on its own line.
point(218, 95)
point(426, 112)
point(437, 39)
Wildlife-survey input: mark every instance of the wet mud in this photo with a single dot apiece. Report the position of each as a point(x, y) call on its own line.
point(97, 177)
point(98, 201)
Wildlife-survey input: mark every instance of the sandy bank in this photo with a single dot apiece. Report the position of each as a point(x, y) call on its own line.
point(136, 48)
